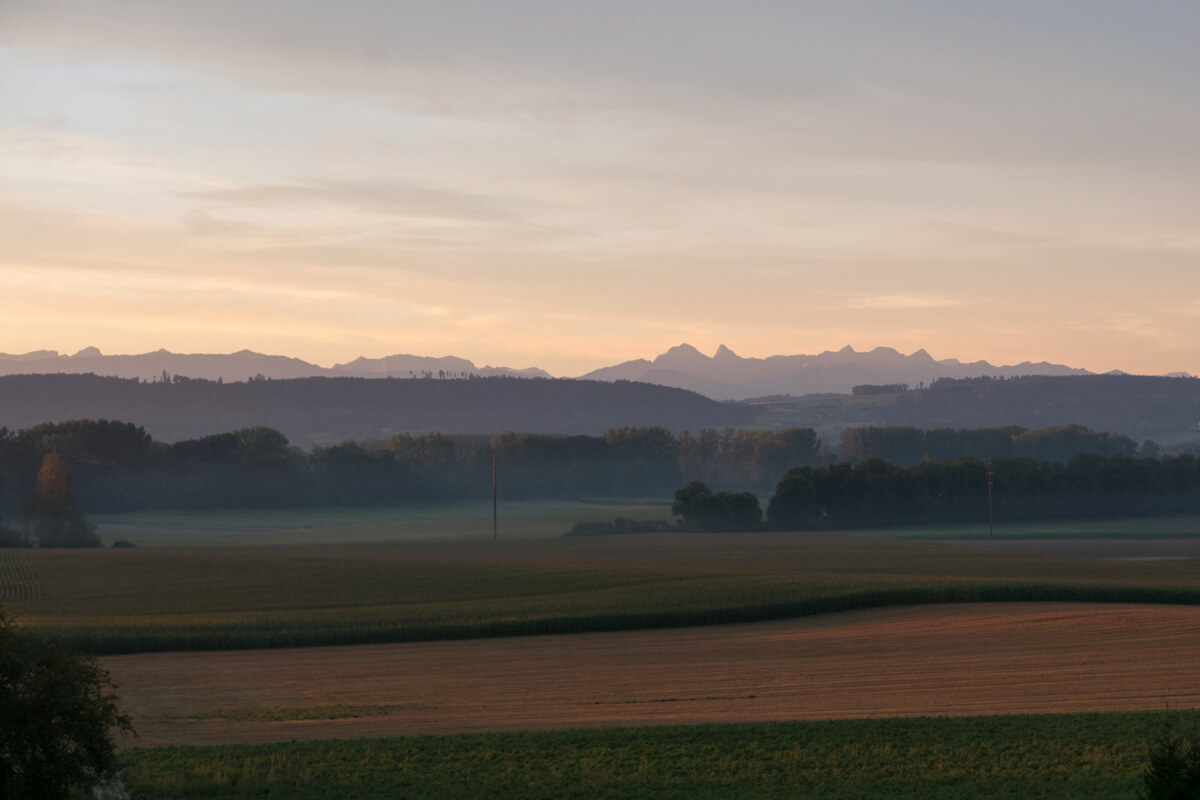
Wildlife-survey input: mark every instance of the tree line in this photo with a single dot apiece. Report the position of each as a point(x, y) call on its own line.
point(51, 473)
point(874, 492)
point(117, 466)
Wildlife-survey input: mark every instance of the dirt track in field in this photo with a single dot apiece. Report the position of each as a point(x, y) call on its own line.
point(931, 660)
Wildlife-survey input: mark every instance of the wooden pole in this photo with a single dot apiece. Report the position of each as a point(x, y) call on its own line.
point(989, 477)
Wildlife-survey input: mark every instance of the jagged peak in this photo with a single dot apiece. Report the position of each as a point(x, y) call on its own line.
point(684, 350)
point(724, 352)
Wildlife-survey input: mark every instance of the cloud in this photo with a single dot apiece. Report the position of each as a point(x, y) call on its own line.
point(199, 222)
point(902, 301)
point(390, 199)
point(973, 235)
point(866, 79)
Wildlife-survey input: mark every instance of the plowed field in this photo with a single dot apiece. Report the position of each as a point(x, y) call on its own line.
point(932, 660)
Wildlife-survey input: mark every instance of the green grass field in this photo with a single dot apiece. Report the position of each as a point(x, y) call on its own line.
point(341, 525)
point(1094, 756)
point(531, 520)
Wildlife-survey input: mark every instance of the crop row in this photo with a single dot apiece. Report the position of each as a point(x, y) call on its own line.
point(1031, 756)
point(18, 581)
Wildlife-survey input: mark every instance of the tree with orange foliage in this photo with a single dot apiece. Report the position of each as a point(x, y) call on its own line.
point(58, 522)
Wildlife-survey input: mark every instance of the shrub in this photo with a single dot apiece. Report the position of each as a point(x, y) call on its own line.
point(1174, 770)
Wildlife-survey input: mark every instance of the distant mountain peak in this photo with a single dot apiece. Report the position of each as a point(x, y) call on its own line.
point(727, 376)
point(681, 353)
point(88, 352)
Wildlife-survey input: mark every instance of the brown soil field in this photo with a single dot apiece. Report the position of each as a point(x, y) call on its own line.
point(932, 660)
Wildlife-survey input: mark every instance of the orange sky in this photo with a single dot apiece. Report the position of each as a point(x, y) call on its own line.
point(574, 186)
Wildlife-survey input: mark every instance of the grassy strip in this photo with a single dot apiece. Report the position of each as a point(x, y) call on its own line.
point(1030, 756)
point(113, 640)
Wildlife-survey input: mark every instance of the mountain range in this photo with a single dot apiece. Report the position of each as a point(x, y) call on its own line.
point(723, 376)
point(728, 376)
point(244, 365)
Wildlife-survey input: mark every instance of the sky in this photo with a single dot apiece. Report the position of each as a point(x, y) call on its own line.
point(573, 184)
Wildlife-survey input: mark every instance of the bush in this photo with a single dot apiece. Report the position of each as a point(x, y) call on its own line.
point(123, 543)
point(1174, 770)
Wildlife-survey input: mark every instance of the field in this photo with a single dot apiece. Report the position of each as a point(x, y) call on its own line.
point(433, 619)
point(1082, 756)
point(533, 520)
point(246, 596)
point(923, 661)
point(339, 525)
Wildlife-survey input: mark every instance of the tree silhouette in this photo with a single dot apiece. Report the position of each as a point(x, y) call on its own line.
point(57, 712)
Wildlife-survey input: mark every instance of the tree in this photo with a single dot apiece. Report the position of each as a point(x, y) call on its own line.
point(57, 714)
point(794, 504)
point(57, 522)
point(702, 509)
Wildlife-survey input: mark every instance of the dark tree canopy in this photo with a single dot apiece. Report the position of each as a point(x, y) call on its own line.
point(57, 715)
point(1173, 771)
point(874, 492)
point(703, 509)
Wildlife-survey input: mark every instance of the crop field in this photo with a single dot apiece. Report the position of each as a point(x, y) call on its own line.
point(1167, 526)
point(1082, 756)
point(18, 581)
point(943, 660)
point(151, 598)
point(434, 618)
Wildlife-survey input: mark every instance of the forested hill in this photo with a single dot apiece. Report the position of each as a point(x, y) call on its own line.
point(323, 410)
point(1141, 407)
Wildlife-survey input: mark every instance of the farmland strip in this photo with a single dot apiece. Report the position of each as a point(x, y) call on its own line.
point(18, 580)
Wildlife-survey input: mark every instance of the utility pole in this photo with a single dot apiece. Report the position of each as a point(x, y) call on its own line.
point(990, 475)
point(495, 515)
